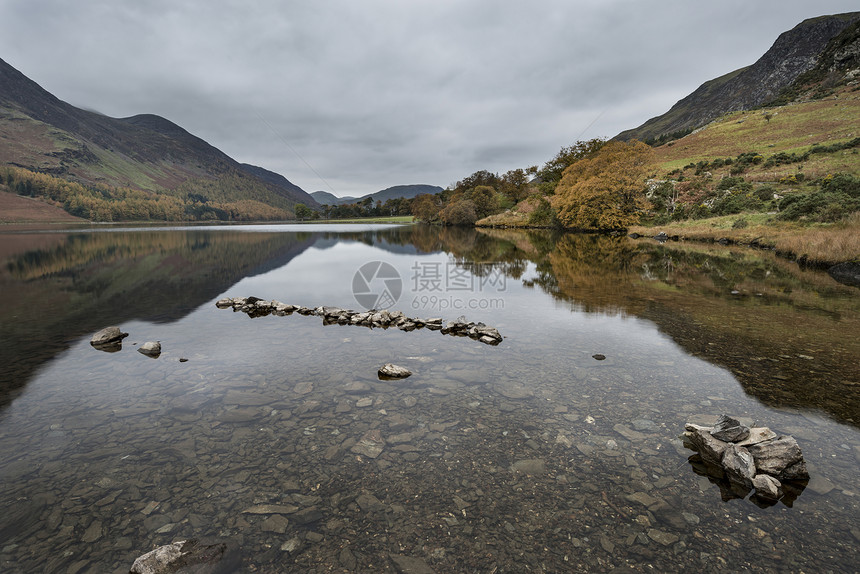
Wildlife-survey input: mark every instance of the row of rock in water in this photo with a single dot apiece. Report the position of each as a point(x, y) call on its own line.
point(750, 458)
point(255, 307)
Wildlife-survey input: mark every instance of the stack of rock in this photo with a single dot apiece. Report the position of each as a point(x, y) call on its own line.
point(751, 458)
point(256, 307)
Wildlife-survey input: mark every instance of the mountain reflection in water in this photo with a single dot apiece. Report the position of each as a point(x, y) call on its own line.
point(785, 333)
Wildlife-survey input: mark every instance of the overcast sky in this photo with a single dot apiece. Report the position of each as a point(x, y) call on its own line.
point(353, 96)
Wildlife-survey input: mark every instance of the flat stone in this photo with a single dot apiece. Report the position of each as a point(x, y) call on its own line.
point(534, 466)
point(93, 532)
point(515, 391)
point(820, 485)
point(370, 444)
point(662, 537)
point(275, 523)
point(410, 565)
point(757, 435)
point(356, 387)
point(628, 433)
point(271, 509)
point(368, 502)
point(642, 498)
point(245, 398)
point(292, 545)
point(303, 388)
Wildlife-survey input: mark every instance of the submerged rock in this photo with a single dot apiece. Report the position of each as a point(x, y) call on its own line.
point(391, 371)
point(184, 556)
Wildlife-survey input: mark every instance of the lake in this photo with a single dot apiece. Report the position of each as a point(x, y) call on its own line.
point(556, 450)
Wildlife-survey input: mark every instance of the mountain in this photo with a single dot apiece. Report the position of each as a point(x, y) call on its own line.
point(146, 152)
point(326, 198)
point(795, 52)
point(395, 192)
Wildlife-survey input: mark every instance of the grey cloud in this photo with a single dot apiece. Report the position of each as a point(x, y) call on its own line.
point(385, 92)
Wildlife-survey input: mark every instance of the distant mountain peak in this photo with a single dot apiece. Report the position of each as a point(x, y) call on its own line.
point(394, 192)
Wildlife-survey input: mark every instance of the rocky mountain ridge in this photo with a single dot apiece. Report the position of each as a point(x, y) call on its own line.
point(795, 52)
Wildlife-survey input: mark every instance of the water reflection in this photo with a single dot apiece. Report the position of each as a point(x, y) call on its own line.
point(783, 332)
point(533, 455)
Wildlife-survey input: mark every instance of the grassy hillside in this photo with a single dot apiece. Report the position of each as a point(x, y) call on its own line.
point(139, 158)
point(792, 128)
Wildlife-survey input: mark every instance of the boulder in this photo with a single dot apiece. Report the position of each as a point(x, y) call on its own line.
point(108, 336)
point(847, 273)
point(774, 456)
point(391, 371)
point(150, 349)
point(711, 449)
point(186, 556)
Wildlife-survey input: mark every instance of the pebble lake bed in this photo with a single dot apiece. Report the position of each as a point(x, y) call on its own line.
point(558, 448)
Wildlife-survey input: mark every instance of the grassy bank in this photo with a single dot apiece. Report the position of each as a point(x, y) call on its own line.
point(820, 245)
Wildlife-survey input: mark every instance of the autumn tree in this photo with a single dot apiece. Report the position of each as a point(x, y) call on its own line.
point(425, 207)
point(515, 184)
point(484, 199)
point(606, 189)
point(552, 170)
point(460, 212)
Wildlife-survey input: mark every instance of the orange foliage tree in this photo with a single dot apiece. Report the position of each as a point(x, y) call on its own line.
point(605, 190)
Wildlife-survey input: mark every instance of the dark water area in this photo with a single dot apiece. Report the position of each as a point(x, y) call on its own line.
point(276, 434)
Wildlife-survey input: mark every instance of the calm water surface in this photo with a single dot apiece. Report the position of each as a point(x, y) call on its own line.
point(258, 437)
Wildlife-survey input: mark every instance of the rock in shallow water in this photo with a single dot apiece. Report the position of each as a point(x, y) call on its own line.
point(150, 349)
point(108, 336)
point(774, 456)
point(728, 429)
point(391, 371)
point(198, 556)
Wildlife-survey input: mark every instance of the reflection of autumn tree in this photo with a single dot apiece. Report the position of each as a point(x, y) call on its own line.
point(594, 270)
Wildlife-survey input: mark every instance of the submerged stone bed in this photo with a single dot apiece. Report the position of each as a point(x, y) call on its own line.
point(256, 307)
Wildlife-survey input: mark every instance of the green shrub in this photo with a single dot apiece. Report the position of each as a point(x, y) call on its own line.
point(765, 192)
point(837, 197)
point(736, 203)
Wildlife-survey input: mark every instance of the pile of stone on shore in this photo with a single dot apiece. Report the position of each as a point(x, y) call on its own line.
point(256, 307)
point(750, 458)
